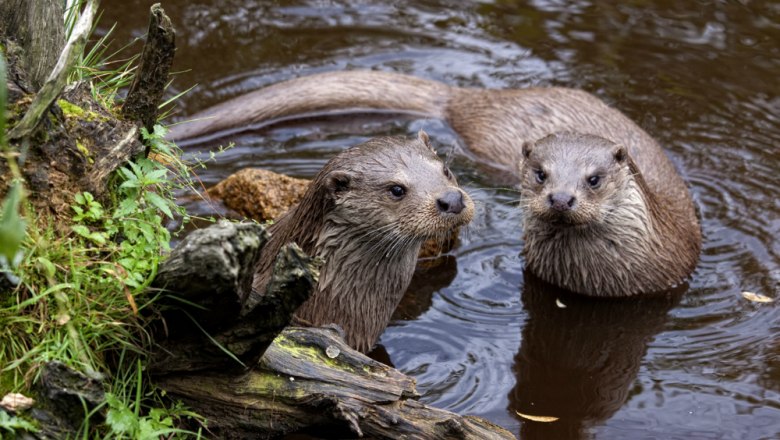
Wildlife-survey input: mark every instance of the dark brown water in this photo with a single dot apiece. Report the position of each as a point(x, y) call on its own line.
point(480, 337)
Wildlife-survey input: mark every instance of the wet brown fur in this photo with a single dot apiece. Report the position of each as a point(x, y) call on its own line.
point(495, 124)
point(620, 238)
point(368, 238)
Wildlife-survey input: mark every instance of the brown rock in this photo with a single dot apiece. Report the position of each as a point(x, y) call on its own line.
point(259, 194)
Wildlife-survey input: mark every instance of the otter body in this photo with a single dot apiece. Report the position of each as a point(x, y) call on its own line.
point(366, 214)
point(495, 124)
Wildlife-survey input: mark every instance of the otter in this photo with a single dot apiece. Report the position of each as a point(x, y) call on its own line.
point(366, 214)
point(495, 124)
point(593, 225)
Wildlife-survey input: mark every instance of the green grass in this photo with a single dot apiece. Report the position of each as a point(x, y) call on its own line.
point(82, 296)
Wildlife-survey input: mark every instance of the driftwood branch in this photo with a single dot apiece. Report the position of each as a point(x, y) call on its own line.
point(59, 76)
point(38, 28)
point(151, 78)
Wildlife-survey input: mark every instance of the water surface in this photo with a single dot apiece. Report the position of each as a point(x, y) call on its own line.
point(480, 336)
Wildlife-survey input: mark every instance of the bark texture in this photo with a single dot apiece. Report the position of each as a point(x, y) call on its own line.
point(37, 26)
point(149, 82)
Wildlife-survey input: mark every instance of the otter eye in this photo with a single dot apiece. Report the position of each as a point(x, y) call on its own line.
point(447, 173)
point(541, 176)
point(594, 181)
point(397, 191)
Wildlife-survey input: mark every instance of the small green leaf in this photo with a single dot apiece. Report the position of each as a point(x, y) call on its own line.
point(9, 423)
point(81, 230)
point(47, 266)
point(12, 226)
point(98, 237)
point(157, 174)
point(160, 203)
point(130, 183)
point(127, 173)
point(160, 131)
point(121, 420)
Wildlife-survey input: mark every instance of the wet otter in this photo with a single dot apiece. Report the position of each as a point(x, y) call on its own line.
point(366, 213)
point(495, 124)
point(592, 223)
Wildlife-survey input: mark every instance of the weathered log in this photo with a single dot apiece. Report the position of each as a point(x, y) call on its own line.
point(39, 30)
point(213, 263)
point(211, 268)
point(151, 78)
point(310, 378)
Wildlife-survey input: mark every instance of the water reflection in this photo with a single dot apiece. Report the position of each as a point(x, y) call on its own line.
point(579, 357)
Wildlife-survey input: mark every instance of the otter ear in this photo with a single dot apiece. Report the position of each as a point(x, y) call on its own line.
point(338, 182)
point(528, 147)
point(423, 137)
point(619, 153)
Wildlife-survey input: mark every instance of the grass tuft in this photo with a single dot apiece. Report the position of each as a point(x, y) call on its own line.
point(82, 297)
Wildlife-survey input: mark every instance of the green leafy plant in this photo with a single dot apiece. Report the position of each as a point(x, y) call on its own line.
point(81, 289)
point(13, 425)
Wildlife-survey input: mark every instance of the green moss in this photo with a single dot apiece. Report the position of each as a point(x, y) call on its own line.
point(6, 383)
point(270, 384)
point(71, 110)
point(312, 353)
point(85, 151)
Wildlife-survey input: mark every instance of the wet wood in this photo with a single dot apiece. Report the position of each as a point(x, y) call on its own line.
point(205, 277)
point(150, 80)
point(310, 378)
point(38, 28)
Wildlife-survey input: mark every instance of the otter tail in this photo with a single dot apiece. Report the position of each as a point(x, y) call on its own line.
point(319, 94)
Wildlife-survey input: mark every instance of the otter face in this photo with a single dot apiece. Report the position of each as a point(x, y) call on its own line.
point(400, 187)
point(572, 179)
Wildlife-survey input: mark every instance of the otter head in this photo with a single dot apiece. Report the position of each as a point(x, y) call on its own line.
point(396, 188)
point(587, 216)
point(573, 179)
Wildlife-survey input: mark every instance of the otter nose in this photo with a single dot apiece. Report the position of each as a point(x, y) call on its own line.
point(451, 202)
point(561, 201)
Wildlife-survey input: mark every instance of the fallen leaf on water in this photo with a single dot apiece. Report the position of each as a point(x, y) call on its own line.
point(756, 297)
point(16, 402)
point(545, 419)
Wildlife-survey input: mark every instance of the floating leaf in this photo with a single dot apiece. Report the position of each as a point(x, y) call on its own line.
point(757, 297)
point(543, 419)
